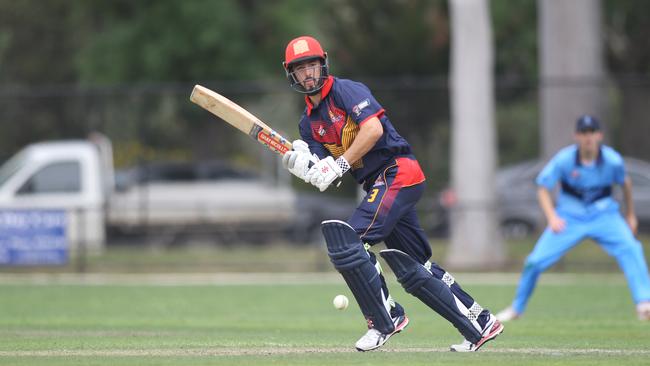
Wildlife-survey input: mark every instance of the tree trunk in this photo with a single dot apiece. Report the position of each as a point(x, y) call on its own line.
point(475, 240)
point(571, 68)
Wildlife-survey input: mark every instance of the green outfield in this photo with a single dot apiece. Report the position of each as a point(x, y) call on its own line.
point(280, 319)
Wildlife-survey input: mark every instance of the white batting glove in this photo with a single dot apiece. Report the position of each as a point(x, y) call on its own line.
point(326, 171)
point(297, 160)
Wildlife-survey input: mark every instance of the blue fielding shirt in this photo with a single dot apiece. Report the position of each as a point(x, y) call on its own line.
point(331, 127)
point(584, 190)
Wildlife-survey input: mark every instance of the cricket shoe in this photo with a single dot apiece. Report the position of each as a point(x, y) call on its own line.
point(374, 339)
point(643, 310)
point(507, 315)
point(492, 329)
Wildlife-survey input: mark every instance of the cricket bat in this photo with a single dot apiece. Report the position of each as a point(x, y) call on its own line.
point(239, 118)
point(242, 120)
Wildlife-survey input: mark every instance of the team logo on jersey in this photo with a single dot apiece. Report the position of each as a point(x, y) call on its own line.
point(334, 117)
point(359, 107)
point(379, 182)
point(321, 131)
point(575, 174)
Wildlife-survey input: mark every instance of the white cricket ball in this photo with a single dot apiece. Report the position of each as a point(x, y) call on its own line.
point(341, 302)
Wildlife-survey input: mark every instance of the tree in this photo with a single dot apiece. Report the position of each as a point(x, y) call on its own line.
point(475, 241)
point(628, 51)
point(571, 68)
point(37, 41)
point(166, 40)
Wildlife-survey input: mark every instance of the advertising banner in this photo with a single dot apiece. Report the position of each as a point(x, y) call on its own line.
point(33, 237)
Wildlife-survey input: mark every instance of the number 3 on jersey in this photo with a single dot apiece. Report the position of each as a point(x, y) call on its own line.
point(373, 195)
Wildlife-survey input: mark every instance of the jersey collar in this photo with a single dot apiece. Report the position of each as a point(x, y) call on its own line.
point(599, 159)
point(327, 86)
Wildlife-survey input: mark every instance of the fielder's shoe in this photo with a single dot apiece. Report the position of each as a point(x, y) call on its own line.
point(492, 329)
point(507, 315)
point(374, 339)
point(643, 310)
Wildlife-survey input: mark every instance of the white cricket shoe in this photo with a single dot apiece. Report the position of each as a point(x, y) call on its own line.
point(643, 310)
point(507, 315)
point(492, 329)
point(374, 339)
point(465, 346)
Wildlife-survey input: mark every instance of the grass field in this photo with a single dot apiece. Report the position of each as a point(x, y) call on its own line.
point(288, 319)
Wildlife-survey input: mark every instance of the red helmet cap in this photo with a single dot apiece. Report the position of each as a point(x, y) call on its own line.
point(302, 48)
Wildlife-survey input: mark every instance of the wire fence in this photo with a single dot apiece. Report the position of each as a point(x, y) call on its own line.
point(157, 123)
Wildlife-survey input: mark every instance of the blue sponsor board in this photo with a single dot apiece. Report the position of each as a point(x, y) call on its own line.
point(33, 237)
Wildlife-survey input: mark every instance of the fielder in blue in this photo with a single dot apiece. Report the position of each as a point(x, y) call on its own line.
point(586, 173)
point(344, 129)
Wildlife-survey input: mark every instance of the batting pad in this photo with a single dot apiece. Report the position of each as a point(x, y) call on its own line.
point(347, 253)
point(419, 282)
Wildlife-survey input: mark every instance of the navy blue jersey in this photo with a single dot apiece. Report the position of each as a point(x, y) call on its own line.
point(331, 127)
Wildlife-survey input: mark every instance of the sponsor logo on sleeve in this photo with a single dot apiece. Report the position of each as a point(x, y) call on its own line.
point(359, 107)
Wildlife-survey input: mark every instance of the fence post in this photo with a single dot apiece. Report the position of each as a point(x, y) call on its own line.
point(81, 240)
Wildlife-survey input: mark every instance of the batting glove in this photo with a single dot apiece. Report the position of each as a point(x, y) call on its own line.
point(298, 159)
point(326, 171)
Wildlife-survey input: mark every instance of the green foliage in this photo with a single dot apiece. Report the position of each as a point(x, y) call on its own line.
point(515, 39)
point(627, 40)
point(518, 129)
point(166, 41)
point(38, 40)
point(394, 38)
point(188, 40)
point(119, 41)
point(399, 47)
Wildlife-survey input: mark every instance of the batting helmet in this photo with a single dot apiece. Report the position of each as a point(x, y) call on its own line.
point(303, 49)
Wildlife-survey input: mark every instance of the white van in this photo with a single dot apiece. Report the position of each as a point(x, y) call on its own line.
point(64, 175)
point(77, 177)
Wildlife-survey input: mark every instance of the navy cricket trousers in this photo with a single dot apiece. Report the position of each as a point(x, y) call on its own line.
point(387, 212)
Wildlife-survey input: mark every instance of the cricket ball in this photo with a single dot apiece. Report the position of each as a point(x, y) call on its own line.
point(340, 302)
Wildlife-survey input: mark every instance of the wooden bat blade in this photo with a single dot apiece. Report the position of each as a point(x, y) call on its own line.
point(239, 118)
point(224, 108)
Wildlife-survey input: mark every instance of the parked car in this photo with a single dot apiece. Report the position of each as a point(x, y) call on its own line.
point(181, 197)
point(161, 202)
point(316, 207)
point(175, 199)
point(518, 209)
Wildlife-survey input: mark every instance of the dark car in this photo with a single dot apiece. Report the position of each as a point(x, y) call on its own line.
point(518, 209)
point(316, 207)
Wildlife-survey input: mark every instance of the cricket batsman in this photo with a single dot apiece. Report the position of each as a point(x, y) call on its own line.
point(344, 129)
